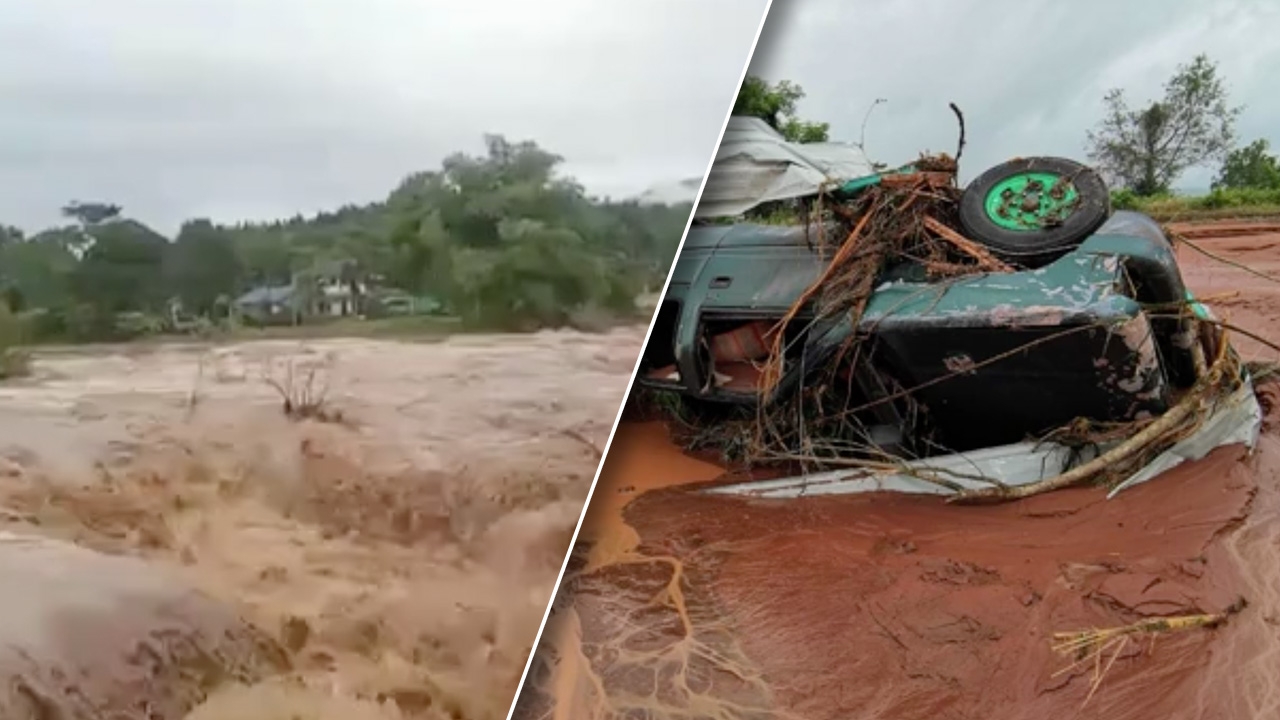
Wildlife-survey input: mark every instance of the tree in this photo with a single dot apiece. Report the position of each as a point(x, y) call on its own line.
point(122, 270)
point(39, 269)
point(1147, 149)
point(776, 105)
point(508, 243)
point(264, 253)
point(1252, 166)
point(201, 265)
point(91, 213)
point(306, 292)
point(14, 300)
point(502, 237)
point(10, 235)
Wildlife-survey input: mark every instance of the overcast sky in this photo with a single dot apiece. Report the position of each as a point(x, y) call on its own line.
point(1028, 74)
point(262, 108)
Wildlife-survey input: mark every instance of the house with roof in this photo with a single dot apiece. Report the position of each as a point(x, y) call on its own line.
point(327, 290)
point(267, 304)
point(337, 297)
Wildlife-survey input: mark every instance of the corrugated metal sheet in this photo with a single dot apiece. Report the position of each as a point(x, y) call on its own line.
point(1236, 420)
point(756, 164)
point(266, 296)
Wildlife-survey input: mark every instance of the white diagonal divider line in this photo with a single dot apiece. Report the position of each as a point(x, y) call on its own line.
point(564, 564)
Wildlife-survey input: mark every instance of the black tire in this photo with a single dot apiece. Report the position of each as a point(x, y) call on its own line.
point(1036, 246)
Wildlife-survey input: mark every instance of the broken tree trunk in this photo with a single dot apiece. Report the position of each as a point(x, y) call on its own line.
point(985, 259)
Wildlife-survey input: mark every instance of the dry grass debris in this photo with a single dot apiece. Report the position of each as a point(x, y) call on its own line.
point(303, 392)
point(1101, 648)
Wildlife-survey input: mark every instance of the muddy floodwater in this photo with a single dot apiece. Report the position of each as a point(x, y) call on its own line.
point(396, 554)
point(682, 605)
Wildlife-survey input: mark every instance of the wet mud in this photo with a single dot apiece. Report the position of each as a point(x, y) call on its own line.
point(1236, 288)
point(889, 606)
point(393, 561)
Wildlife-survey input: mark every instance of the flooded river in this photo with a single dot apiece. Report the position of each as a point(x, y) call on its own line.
point(681, 605)
point(398, 553)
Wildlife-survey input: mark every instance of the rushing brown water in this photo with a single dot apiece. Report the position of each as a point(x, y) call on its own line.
point(883, 606)
point(399, 561)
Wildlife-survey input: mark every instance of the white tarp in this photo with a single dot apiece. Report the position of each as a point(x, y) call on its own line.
point(1237, 420)
point(755, 164)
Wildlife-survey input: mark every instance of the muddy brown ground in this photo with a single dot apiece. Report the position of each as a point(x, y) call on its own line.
point(681, 605)
point(401, 553)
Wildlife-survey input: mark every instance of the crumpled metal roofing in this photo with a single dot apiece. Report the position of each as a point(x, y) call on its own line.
point(755, 164)
point(1236, 420)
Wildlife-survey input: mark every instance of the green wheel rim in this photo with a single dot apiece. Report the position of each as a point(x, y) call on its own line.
point(1031, 201)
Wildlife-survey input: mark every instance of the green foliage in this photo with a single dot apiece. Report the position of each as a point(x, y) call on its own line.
point(1220, 198)
point(13, 300)
point(202, 266)
point(1252, 166)
point(39, 269)
point(121, 268)
point(1147, 149)
point(776, 105)
point(501, 239)
point(1220, 202)
point(509, 244)
point(129, 325)
point(14, 360)
point(1124, 199)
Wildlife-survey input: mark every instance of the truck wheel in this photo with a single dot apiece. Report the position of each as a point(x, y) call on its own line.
point(1032, 211)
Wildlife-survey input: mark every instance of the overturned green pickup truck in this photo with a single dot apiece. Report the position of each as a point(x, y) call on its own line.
point(1088, 319)
point(739, 280)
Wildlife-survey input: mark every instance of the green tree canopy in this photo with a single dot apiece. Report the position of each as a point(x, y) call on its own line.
point(122, 269)
point(202, 265)
point(1252, 166)
point(1146, 149)
point(510, 242)
point(776, 105)
point(39, 269)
